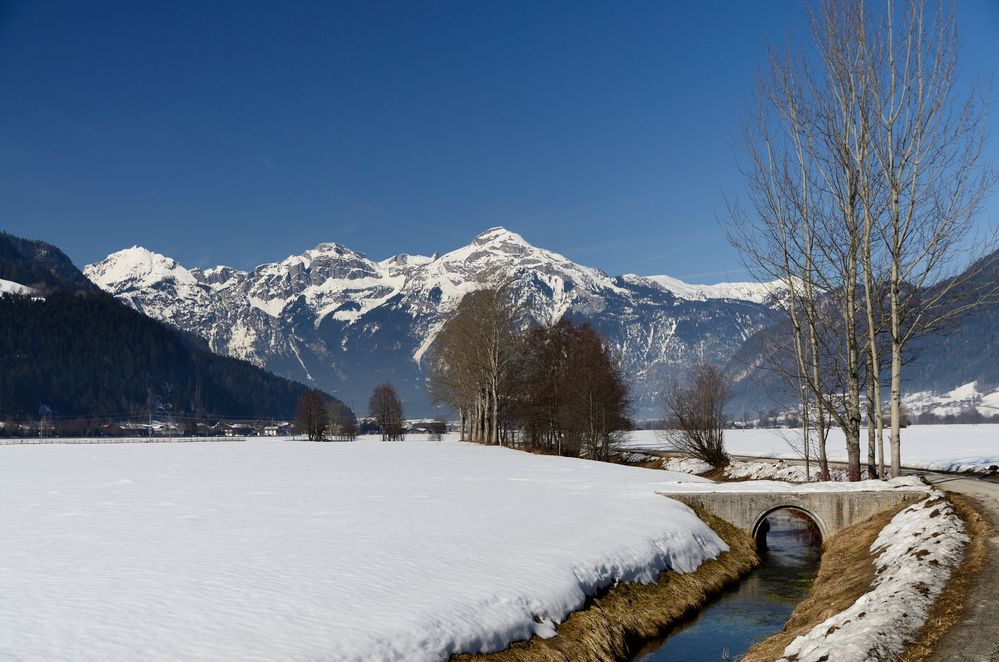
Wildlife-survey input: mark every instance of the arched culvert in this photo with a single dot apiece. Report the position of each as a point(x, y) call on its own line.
point(762, 527)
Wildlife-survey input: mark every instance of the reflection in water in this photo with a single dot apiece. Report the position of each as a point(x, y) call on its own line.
point(756, 608)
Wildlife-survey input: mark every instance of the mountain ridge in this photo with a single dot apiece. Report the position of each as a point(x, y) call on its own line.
point(332, 313)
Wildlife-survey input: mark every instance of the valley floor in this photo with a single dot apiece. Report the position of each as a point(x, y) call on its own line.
point(933, 447)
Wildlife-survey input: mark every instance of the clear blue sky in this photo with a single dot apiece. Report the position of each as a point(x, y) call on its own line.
point(242, 132)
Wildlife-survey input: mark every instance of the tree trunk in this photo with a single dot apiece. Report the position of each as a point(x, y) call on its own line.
point(896, 409)
point(872, 466)
point(852, 428)
point(495, 415)
point(896, 363)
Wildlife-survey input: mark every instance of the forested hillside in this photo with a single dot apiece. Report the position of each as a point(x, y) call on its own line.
point(79, 352)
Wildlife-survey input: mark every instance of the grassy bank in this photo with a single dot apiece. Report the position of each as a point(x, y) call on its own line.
point(614, 626)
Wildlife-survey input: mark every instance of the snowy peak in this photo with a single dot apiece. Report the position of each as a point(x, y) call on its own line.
point(136, 268)
point(499, 236)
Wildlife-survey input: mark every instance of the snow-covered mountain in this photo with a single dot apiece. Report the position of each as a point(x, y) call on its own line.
point(335, 317)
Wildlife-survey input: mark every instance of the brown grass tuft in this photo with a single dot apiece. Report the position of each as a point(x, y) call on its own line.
point(615, 625)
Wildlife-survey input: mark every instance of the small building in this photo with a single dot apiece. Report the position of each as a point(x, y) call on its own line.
point(238, 430)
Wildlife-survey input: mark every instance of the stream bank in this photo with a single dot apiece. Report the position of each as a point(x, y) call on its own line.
point(616, 625)
point(755, 608)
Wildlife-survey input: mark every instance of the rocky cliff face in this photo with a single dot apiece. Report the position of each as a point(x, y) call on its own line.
point(336, 318)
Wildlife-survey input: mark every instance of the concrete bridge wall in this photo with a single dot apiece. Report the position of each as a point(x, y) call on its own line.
point(831, 511)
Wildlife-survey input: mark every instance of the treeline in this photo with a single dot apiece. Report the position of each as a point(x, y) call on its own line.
point(321, 418)
point(85, 354)
point(557, 389)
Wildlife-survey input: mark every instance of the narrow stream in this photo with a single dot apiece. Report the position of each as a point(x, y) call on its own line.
point(753, 610)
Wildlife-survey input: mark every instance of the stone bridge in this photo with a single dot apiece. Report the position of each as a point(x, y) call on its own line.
point(830, 511)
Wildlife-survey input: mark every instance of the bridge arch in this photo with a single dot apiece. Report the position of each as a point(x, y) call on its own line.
point(760, 527)
point(830, 509)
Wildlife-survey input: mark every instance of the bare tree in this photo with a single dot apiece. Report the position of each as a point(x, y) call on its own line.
point(311, 417)
point(343, 423)
point(695, 414)
point(572, 398)
point(471, 360)
point(865, 178)
point(385, 407)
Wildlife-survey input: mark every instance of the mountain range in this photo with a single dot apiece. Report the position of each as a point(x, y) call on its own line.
point(335, 318)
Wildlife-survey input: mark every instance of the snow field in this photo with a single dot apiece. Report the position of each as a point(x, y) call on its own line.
point(273, 549)
point(914, 557)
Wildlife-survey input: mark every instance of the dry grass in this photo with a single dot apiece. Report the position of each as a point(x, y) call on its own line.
point(845, 573)
point(614, 626)
point(950, 606)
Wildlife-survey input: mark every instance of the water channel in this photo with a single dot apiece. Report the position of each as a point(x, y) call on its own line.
point(753, 610)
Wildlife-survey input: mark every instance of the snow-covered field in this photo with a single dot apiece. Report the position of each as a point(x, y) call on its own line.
point(935, 447)
point(274, 549)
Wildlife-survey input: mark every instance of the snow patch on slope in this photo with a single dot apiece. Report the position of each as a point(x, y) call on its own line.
point(10, 287)
point(955, 401)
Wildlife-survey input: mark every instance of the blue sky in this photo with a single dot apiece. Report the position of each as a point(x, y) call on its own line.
point(242, 132)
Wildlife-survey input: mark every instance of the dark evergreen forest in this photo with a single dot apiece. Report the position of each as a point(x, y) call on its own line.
point(79, 352)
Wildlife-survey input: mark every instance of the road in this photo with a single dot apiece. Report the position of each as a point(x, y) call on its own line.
point(977, 636)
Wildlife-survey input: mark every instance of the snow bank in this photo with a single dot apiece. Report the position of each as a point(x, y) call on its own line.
point(290, 550)
point(933, 447)
point(686, 465)
point(778, 470)
point(781, 470)
point(915, 555)
point(630, 457)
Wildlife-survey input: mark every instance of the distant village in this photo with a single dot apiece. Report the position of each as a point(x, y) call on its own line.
point(167, 429)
